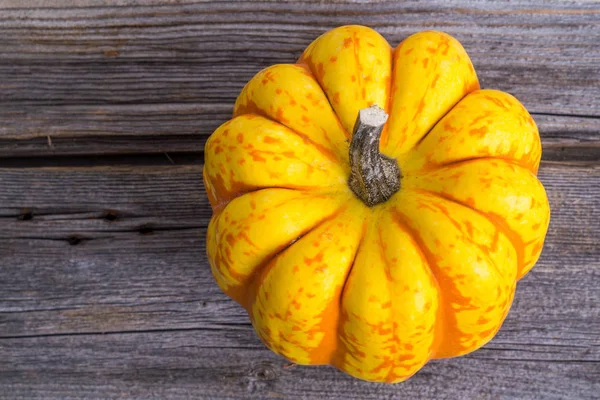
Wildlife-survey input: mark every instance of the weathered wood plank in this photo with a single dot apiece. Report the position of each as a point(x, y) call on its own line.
point(108, 129)
point(156, 128)
point(125, 78)
point(232, 363)
point(105, 290)
point(64, 201)
point(146, 270)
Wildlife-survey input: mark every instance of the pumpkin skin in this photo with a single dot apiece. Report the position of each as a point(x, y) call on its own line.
point(374, 291)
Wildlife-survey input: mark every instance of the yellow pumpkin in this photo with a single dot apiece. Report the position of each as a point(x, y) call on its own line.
point(374, 254)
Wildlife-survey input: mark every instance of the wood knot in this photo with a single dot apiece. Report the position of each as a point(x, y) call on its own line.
point(263, 372)
point(110, 215)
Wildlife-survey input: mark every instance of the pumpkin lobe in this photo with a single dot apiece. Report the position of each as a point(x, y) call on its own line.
point(374, 177)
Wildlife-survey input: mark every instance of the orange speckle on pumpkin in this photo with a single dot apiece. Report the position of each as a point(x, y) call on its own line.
point(487, 333)
point(230, 239)
point(470, 201)
point(296, 304)
point(278, 91)
point(431, 50)
point(320, 71)
point(420, 108)
point(364, 93)
point(333, 59)
point(336, 98)
point(386, 304)
point(435, 80)
point(425, 62)
point(240, 138)
point(469, 227)
point(479, 132)
point(279, 116)
point(348, 42)
point(496, 101)
point(407, 52)
point(271, 140)
point(448, 127)
point(305, 118)
point(256, 156)
point(317, 258)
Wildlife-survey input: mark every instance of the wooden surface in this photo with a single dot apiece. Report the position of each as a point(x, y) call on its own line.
point(105, 106)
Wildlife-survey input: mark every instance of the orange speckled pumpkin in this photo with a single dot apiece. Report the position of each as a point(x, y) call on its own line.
point(369, 245)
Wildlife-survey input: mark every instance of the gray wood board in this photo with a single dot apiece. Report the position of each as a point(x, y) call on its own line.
point(118, 129)
point(130, 308)
point(105, 290)
point(231, 363)
point(152, 77)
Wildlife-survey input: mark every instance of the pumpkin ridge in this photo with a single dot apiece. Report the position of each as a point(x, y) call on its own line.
point(246, 104)
point(356, 60)
point(511, 235)
point(386, 264)
point(439, 120)
point(400, 219)
point(307, 66)
point(254, 280)
point(335, 354)
point(223, 202)
point(219, 259)
point(329, 153)
point(519, 250)
point(429, 168)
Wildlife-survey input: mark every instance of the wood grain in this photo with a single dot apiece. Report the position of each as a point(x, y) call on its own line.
point(136, 311)
point(159, 128)
point(213, 363)
point(147, 77)
point(105, 290)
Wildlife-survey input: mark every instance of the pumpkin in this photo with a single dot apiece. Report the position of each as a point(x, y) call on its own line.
point(367, 242)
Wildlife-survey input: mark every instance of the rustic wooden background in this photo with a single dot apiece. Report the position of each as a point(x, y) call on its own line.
point(105, 106)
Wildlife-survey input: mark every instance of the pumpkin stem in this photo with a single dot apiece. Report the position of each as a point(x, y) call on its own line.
point(374, 177)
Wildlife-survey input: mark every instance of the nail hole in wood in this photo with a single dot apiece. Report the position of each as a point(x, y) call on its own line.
point(146, 230)
point(26, 215)
point(111, 215)
point(73, 240)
